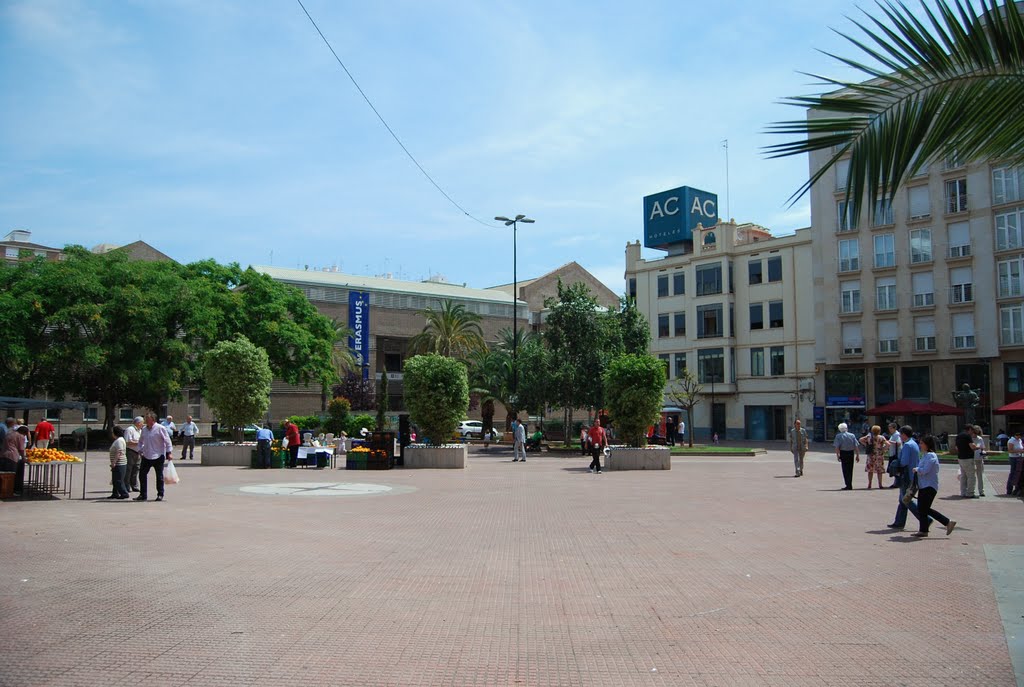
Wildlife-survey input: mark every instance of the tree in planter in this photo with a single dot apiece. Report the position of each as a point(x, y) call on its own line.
point(383, 402)
point(686, 395)
point(337, 415)
point(238, 376)
point(437, 395)
point(633, 386)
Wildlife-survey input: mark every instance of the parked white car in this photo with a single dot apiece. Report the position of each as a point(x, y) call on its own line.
point(471, 429)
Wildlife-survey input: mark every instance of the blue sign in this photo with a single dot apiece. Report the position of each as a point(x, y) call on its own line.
point(359, 323)
point(671, 216)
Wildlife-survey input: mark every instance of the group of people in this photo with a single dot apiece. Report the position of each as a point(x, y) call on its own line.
point(142, 446)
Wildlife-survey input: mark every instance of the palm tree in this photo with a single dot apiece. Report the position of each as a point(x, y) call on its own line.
point(451, 331)
point(947, 85)
point(341, 355)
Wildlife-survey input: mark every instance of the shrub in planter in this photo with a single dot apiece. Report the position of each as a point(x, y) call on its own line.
point(633, 387)
point(437, 395)
point(337, 415)
point(357, 422)
point(306, 422)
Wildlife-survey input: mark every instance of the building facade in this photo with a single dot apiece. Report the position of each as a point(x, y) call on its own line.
point(923, 294)
point(733, 306)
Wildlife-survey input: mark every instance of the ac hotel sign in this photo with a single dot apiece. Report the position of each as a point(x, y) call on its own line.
point(671, 216)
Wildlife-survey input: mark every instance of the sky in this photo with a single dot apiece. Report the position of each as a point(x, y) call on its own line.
point(226, 129)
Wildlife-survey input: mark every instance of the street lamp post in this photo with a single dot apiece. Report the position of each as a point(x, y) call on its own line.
point(514, 223)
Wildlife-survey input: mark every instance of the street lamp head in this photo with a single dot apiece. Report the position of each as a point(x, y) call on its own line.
point(503, 219)
point(518, 217)
point(526, 220)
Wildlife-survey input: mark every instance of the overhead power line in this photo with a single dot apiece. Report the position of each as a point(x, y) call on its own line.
point(386, 126)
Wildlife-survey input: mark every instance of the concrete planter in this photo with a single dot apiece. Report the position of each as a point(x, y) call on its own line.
point(228, 454)
point(452, 457)
point(651, 458)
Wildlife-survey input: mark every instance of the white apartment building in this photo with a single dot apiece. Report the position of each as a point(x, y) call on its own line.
point(923, 294)
point(734, 306)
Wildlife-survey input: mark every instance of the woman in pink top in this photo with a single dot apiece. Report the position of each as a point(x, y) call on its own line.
point(14, 455)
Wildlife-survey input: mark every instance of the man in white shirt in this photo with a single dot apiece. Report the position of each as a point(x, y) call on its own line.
point(1016, 448)
point(189, 430)
point(154, 447)
point(172, 429)
point(131, 438)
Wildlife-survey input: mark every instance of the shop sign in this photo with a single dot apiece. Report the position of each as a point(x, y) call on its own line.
point(359, 323)
point(672, 216)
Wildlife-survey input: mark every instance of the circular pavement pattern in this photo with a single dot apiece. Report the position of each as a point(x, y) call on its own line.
point(316, 489)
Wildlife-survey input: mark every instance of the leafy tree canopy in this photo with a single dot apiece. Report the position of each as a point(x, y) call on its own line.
point(238, 380)
point(633, 390)
point(437, 395)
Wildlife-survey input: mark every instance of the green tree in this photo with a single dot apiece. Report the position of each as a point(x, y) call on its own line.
point(947, 85)
point(437, 395)
point(686, 394)
point(337, 415)
point(452, 331)
point(238, 380)
point(576, 339)
point(634, 329)
point(383, 402)
point(633, 391)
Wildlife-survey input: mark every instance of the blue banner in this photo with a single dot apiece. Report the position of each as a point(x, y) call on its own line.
point(359, 323)
point(672, 216)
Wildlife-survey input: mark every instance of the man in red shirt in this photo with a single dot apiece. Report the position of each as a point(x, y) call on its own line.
point(291, 433)
point(598, 442)
point(44, 430)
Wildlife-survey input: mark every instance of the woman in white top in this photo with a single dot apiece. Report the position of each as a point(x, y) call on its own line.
point(979, 458)
point(118, 465)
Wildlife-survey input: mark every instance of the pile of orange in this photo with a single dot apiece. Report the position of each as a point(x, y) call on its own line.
point(50, 455)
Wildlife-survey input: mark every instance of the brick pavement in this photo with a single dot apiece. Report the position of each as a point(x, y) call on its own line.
point(721, 572)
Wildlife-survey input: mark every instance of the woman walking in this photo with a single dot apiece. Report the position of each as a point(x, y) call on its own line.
point(927, 472)
point(877, 448)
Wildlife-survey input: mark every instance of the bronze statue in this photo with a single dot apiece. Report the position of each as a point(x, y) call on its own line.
point(968, 399)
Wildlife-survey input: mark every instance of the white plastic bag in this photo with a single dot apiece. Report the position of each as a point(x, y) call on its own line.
point(284, 442)
point(170, 474)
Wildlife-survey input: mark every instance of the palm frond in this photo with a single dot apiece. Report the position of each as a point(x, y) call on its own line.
point(947, 83)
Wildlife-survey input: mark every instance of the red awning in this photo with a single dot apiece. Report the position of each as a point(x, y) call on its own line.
point(907, 407)
point(1015, 407)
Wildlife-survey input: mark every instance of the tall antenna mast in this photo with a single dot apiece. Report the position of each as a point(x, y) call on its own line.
point(728, 210)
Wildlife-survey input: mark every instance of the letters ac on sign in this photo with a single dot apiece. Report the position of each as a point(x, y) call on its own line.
point(670, 217)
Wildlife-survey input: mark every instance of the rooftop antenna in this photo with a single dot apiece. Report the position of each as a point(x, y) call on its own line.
point(728, 210)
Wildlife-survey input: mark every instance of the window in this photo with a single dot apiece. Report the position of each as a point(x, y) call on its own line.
point(1007, 184)
point(709, 321)
point(11, 252)
point(850, 296)
point(952, 162)
point(680, 364)
point(915, 383)
point(392, 362)
point(632, 287)
point(195, 401)
point(52, 414)
point(919, 202)
point(849, 255)
point(662, 326)
point(757, 315)
point(963, 331)
point(885, 385)
point(924, 335)
point(1011, 325)
point(853, 340)
point(125, 414)
point(920, 246)
point(731, 289)
point(91, 413)
point(662, 285)
point(885, 293)
point(680, 323)
point(956, 196)
point(754, 272)
point(961, 288)
point(663, 357)
point(775, 314)
point(922, 284)
point(882, 214)
point(1008, 229)
point(888, 336)
point(775, 269)
point(757, 362)
point(1009, 277)
point(1014, 375)
point(777, 359)
point(709, 279)
point(885, 250)
point(842, 168)
point(844, 212)
point(678, 283)
point(710, 365)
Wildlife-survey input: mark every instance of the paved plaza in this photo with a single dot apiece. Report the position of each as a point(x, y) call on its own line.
point(723, 571)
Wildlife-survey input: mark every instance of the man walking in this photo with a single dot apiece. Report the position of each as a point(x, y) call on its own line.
point(263, 438)
point(965, 457)
point(798, 446)
point(847, 449)
point(910, 456)
point(1016, 448)
point(895, 444)
point(189, 431)
point(598, 442)
point(131, 438)
point(519, 441)
point(154, 447)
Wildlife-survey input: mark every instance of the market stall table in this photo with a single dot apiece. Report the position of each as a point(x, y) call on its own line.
point(50, 478)
point(309, 456)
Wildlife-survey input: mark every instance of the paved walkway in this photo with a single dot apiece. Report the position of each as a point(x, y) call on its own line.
point(723, 571)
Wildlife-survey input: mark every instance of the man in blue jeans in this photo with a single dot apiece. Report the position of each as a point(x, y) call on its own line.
point(910, 455)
